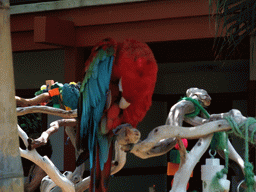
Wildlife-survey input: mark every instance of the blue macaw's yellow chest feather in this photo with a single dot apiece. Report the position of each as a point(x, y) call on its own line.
point(93, 95)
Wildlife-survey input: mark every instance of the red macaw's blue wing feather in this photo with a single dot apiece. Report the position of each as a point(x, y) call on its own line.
point(92, 101)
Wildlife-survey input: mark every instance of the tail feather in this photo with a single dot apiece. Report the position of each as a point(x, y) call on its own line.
point(100, 179)
point(82, 158)
point(105, 174)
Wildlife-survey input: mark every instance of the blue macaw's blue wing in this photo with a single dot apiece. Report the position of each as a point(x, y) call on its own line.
point(93, 95)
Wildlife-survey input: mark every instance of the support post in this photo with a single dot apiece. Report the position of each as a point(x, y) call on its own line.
point(74, 71)
point(11, 173)
point(252, 90)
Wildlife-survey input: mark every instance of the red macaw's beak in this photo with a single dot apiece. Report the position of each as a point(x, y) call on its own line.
point(123, 104)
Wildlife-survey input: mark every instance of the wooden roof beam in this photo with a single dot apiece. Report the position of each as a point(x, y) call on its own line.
point(54, 31)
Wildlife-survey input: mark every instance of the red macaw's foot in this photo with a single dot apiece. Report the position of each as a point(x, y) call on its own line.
point(35, 143)
point(126, 136)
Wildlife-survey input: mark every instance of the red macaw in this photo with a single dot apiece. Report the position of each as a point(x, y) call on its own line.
point(117, 89)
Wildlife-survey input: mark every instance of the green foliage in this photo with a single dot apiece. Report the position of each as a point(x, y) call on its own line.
point(242, 131)
point(31, 124)
point(235, 20)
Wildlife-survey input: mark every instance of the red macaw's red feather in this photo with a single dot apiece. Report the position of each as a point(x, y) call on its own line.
point(136, 66)
point(113, 117)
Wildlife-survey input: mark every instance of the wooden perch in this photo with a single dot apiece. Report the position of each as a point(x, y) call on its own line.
point(46, 164)
point(82, 185)
point(54, 127)
point(182, 176)
point(156, 137)
point(44, 97)
point(46, 110)
point(159, 141)
point(61, 179)
point(165, 131)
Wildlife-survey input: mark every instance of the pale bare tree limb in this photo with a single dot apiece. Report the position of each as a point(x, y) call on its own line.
point(54, 127)
point(183, 174)
point(120, 159)
point(23, 135)
point(33, 101)
point(46, 110)
point(163, 133)
point(46, 164)
point(159, 141)
point(83, 184)
point(233, 153)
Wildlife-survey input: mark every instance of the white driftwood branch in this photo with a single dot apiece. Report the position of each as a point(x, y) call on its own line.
point(80, 186)
point(23, 135)
point(54, 127)
point(239, 118)
point(33, 101)
point(47, 110)
point(120, 159)
point(46, 164)
point(165, 132)
point(182, 176)
point(157, 143)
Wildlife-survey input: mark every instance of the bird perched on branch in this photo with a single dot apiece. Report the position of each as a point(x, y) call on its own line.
point(117, 89)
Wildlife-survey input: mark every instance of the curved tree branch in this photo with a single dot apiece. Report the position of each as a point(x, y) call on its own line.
point(46, 110)
point(159, 141)
point(54, 127)
point(46, 164)
point(33, 101)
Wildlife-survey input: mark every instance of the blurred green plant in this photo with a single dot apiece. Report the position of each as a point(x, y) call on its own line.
point(235, 20)
point(32, 124)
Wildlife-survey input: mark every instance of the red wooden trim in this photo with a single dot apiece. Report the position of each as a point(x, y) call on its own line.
point(150, 21)
point(24, 41)
point(74, 64)
point(69, 155)
point(148, 31)
point(117, 13)
point(54, 31)
point(73, 71)
point(143, 11)
point(145, 31)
